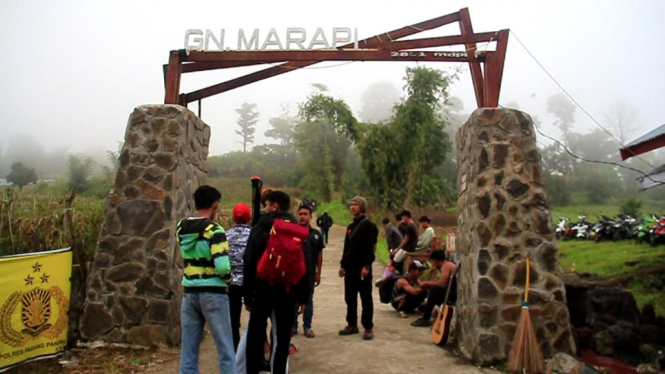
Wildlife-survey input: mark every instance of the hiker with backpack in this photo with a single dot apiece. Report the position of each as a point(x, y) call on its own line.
point(314, 248)
point(356, 269)
point(436, 286)
point(276, 280)
point(325, 222)
point(206, 276)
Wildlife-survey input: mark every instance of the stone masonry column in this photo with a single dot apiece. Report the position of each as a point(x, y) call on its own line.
point(133, 291)
point(503, 218)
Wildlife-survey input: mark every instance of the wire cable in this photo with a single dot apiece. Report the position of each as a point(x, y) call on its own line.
point(575, 101)
point(643, 174)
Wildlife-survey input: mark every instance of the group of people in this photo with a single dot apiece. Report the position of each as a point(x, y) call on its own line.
point(409, 288)
point(223, 271)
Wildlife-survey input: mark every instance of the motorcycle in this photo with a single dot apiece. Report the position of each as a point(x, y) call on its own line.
point(561, 228)
point(581, 230)
point(604, 229)
point(658, 232)
point(642, 231)
point(623, 228)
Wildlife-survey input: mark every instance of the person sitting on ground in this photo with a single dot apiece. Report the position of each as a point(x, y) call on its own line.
point(393, 240)
point(426, 235)
point(407, 295)
point(442, 270)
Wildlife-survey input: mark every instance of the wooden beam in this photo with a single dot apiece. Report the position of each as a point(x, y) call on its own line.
point(476, 72)
point(494, 70)
point(173, 78)
point(205, 66)
point(330, 55)
point(441, 41)
point(374, 41)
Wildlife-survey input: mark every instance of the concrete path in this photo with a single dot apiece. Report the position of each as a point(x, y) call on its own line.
point(397, 347)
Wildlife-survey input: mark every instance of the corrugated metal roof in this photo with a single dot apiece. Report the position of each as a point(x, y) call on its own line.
point(658, 131)
point(655, 177)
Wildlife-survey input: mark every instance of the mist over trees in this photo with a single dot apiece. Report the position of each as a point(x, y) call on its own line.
point(21, 175)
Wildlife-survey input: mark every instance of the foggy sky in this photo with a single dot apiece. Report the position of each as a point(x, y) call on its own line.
point(72, 71)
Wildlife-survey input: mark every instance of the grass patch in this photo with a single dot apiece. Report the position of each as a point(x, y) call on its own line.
point(608, 259)
point(382, 251)
point(337, 210)
point(648, 296)
point(611, 259)
point(591, 211)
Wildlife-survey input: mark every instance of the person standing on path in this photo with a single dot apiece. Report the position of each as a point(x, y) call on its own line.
point(237, 237)
point(206, 274)
point(325, 222)
point(356, 269)
point(314, 249)
point(263, 299)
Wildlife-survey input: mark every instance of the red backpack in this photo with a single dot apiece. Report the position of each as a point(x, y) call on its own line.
point(283, 261)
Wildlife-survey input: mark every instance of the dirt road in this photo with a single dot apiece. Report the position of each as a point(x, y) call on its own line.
point(397, 347)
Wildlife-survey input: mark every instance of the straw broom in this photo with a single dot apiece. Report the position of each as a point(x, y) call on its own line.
point(525, 355)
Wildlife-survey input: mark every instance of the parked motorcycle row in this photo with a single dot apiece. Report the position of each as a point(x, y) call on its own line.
point(650, 229)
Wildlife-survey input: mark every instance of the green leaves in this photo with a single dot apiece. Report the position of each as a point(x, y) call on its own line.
point(399, 157)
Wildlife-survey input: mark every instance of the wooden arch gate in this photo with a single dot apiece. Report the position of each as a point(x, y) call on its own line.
point(486, 66)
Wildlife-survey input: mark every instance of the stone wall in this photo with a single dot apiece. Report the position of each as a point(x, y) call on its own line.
point(133, 291)
point(503, 218)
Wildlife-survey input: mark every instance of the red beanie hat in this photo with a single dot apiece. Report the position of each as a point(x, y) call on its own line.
point(242, 213)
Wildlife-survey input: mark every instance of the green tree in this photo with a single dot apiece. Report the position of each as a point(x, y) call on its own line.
point(79, 170)
point(399, 157)
point(321, 139)
point(21, 175)
point(247, 123)
point(632, 207)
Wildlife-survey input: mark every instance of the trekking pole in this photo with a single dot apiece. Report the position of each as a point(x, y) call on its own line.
point(257, 184)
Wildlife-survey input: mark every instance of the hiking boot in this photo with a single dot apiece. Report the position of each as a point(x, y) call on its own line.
point(368, 335)
point(421, 322)
point(349, 330)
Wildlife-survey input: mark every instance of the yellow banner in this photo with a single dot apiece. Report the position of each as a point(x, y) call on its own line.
point(34, 300)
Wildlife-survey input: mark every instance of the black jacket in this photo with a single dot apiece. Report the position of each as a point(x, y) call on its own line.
point(359, 244)
point(256, 245)
point(325, 221)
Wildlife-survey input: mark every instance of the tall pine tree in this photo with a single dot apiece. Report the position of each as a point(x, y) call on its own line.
point(249, 116)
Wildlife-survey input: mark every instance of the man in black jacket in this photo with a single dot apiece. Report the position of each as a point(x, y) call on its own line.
point(263, 300)
point(356, 269)
point(325, 222)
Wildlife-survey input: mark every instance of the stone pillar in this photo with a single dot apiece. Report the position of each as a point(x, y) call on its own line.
point(133, 290)
point(503, 218)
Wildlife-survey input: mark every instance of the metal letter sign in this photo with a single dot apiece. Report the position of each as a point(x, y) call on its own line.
point(207, 41)
point(296, 48)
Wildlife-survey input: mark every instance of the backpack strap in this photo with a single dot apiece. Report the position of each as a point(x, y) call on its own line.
point(353, 234)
